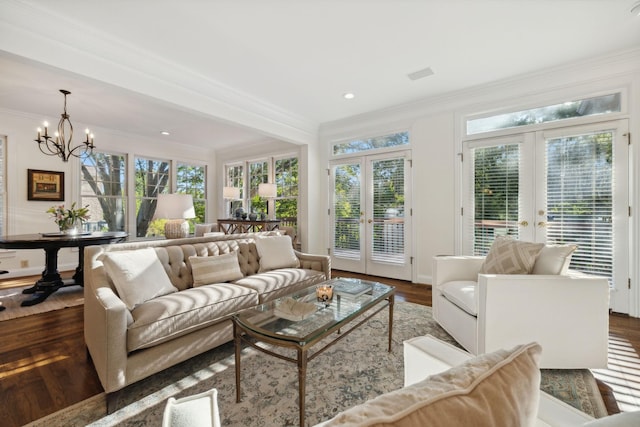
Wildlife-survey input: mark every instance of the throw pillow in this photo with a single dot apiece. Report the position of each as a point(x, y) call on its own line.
point(276, 252)
point(508, 256)
point(553, 259)
point(494, 389)
point(215, 269)
point(137, 275)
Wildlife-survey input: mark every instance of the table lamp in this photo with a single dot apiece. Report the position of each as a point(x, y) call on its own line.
point(268, 191)
point(176, 208)
point(230, 193)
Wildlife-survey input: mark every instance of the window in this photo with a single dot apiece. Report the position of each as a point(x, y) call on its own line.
point(192, 179)
point(103, 188)
point(366, 144)
point(567, 110)
point(235, 178)
point(496, 194)
point(283, 171)
point(258, 173)
point(286, 171)
point(152, 178)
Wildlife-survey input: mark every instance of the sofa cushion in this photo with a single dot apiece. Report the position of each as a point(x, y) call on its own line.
point(215, 269)
point(279, 282)
point(553, 259)
point(463, 294)
point(137, 275)
point(276, 252)
point(508, 256)
point(167, 317)
point(495, 389)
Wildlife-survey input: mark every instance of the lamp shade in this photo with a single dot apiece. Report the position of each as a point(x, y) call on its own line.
point(174, 206)
point(267, 190)
point(231, 193)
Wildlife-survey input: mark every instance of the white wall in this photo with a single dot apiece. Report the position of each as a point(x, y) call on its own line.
point(435, 137)
point(22, 153)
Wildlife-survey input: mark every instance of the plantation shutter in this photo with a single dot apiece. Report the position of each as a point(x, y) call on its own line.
point(579, 174)
point(494, 195)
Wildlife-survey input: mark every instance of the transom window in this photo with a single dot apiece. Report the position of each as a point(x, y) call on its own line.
point(373, 143)
point(567, 110)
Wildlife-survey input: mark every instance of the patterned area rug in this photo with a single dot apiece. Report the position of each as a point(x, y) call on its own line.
point(64, 297)
point(351, 372)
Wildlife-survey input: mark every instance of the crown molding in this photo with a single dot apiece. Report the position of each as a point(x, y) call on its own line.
point(26, 30)
point(610, 66)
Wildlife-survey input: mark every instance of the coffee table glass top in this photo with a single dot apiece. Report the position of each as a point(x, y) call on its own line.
point(264, 319)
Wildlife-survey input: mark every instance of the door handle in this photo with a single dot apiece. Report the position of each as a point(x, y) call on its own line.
point(542, 224)
point(370, 221)
point(524, 223)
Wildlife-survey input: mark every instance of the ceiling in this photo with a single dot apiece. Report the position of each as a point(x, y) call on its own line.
point(217, 73)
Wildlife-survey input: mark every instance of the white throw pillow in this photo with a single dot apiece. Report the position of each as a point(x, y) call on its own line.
point(508, 256)
point(137, 275)
point(554, 259)
point(276, 252)
point(215, 269)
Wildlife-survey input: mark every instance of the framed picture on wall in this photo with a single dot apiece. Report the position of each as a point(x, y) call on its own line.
point(45, 185)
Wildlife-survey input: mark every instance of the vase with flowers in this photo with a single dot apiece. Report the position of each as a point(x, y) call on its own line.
point(70, 220)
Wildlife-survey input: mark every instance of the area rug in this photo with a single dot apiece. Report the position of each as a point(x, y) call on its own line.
point(351, 372)
point(64, 297)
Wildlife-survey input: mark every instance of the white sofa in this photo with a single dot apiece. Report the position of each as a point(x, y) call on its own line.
point(568, 314)
point(425, 356)
point(445, 386)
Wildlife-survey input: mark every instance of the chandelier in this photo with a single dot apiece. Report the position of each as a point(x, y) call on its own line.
point(58, 144)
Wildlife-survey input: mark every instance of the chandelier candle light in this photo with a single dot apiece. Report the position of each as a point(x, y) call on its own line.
point(59, 145)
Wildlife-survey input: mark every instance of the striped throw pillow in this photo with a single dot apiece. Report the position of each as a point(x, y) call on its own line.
point(215, 269)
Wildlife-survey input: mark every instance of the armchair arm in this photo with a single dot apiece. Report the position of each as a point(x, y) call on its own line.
point(315, 262)
point(567, 315)
point(453, 268)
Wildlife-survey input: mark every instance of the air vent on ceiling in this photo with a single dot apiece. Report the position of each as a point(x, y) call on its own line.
point(425, 72)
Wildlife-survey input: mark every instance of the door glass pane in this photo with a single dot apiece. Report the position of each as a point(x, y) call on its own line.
point(580, 199)
point(346, 208)
point(496, 194)
point(388, 210)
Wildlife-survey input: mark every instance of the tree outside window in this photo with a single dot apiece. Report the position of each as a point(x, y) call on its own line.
point(191, 179)
point(103, 188)
point(152, 178)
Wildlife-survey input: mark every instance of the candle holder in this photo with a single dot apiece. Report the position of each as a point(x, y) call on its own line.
point(324, 294)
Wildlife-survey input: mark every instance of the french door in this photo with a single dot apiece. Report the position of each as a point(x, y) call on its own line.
point(370, 215)
point(559, 186)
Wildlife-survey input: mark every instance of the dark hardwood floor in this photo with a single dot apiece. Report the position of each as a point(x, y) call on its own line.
point(44, 365)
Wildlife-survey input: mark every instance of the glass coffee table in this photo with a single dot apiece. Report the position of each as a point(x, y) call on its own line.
point(299, 321)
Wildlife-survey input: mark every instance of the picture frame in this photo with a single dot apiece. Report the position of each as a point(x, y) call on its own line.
point(45, 185)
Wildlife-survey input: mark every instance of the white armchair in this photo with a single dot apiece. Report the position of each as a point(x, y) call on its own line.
point(567, 314)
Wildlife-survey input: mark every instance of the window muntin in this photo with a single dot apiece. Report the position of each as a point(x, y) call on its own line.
point(604, 104)
point(374, 143)
point(152, 178)
point(103, 188)
point(192, 179)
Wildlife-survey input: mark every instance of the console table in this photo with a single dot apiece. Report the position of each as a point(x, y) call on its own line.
point(233, 226)
point(51, 280)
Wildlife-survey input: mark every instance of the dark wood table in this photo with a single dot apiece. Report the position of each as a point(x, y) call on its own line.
point(51, 280)
point(232, 226)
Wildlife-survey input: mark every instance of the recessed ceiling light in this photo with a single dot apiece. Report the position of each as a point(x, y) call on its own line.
point(349, 95)
point(164, 132)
